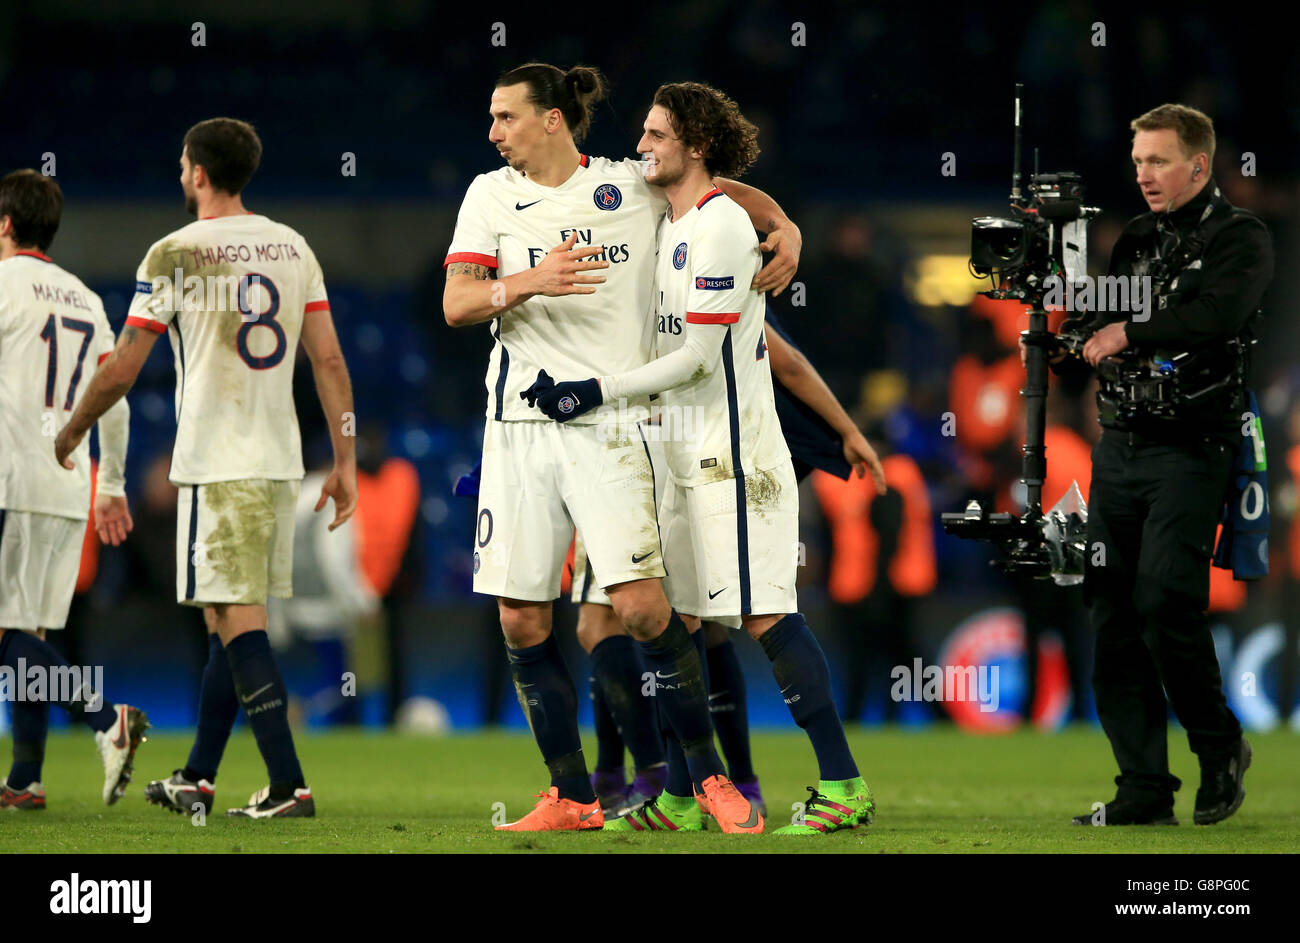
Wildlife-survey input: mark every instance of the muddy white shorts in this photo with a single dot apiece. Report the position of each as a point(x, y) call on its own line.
point(745, 536)
point(717, 569)
point(234, 541)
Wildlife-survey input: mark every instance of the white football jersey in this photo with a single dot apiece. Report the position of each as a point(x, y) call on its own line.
point(726, 419)
point(509, 223)
point(53, 334)
point(231, 292)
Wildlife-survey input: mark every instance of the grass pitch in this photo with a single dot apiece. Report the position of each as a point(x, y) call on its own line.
point(937, 790)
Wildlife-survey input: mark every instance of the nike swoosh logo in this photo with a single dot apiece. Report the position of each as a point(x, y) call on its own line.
point(786, 688)
point(583, 818)
point(636, 559)
point(719, 694)
point(120, 740)
point(753, 817)
point(524, 206)
point(256, 693)
point(660, 674)
point(711, 595)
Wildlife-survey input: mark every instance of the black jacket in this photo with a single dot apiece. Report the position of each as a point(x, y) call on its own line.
point(1206, 304)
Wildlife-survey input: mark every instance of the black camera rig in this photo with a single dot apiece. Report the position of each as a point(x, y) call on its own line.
point(1043, 239)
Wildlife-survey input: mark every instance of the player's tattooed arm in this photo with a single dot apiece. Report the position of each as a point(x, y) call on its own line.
point(471, 298)
point(784, 239)
point(110, 383)
point(477, 272)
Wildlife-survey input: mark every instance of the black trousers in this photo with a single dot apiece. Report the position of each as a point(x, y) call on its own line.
point(1151, 525)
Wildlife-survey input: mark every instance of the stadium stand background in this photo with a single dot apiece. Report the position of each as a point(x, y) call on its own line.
point(854, 126)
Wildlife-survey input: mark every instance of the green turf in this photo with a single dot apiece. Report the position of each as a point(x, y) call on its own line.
point(936, 790)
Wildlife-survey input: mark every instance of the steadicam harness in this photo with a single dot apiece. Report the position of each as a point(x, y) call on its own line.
point(1161, 387)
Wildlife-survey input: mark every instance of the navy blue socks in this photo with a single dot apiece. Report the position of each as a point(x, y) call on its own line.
point(683, 697)
point(35, 652)
point(218, 708)
point(31, 724)
point(265, 700)
point(618, 669)
point(550, 702)
point(728, 706)
point(609, 742)
point(800, 669)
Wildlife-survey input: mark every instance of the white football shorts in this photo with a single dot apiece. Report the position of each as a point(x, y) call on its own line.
point(745, 536)
point(539, 481)
point(40, 557)
point(234, 541)
point(703, 545)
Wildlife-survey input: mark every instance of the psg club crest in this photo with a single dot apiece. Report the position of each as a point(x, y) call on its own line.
point(477, 562)
point(607, 197)
point(566, 404)
point(679, 257)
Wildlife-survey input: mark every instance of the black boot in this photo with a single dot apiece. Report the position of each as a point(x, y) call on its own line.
point(1129, 812)
point(1221, 793)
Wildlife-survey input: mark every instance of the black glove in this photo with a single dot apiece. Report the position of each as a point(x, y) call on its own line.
point(563, 401)
point(540, 385)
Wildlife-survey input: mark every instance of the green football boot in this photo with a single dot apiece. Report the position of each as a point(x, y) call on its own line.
point(663, 813)
point(832, 807)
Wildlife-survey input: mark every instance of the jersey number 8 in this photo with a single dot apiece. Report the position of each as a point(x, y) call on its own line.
point(264, 319)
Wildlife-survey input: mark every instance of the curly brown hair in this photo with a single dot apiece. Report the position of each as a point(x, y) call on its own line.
point(705, 118)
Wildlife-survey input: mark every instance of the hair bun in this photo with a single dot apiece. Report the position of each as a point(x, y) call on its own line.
point(580, 80)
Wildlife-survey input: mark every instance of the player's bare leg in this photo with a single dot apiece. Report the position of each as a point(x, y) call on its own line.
point(262, 693)
point(550, 702)
point(841, 798)
point(623, 713)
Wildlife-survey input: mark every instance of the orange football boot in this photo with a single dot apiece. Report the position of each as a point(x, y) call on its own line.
point(553, 814)
point(732, 811)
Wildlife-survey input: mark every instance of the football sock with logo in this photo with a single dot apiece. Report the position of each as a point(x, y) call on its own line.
point(265, 700)
point(800, 669)
point(31, 724)
point(729, 707)
point(550, 702)
point(218, 708)
point(83, 705)
point(618, 668)
point(609, 742)
point(680, 687)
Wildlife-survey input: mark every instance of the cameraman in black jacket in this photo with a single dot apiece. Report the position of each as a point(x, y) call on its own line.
point(1159, 484)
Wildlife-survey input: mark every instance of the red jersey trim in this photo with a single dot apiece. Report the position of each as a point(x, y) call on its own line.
point(316, 306)
point(712, 317)
point(474, 258)
point(34, 254)
point(103, 357)
point(708, 196)
point(246, 213)
point(146, 324)
point(583, 160)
